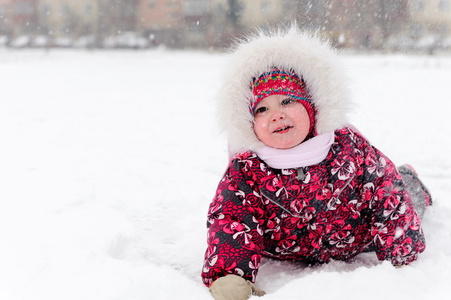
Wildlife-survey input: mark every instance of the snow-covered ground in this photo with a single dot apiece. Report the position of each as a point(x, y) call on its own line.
point(109, 160)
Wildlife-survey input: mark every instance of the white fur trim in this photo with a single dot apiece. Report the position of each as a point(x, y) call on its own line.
point(308, 56)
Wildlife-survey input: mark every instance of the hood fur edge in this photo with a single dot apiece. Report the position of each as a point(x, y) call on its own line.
point(307, 55)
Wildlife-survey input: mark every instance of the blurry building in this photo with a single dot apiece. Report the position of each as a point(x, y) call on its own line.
point(118, 16)
point(197, 17)
point(18, 17)
point(258, 13)
point(5, 20)
point(363, 24)
point(348, 23)
point(188, 23)
point(175, 23)
point(431, 16)
point(431, 24)
point(66, 18)
point(160, 20)
point(92, 20)
point(366, 24)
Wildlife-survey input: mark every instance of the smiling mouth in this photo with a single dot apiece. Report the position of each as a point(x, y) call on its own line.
point(283, 129)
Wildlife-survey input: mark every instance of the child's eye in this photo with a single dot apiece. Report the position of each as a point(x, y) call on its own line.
point(288, 101)
point(260, 110)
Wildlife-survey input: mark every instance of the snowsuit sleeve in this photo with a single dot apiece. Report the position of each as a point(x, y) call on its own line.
point(395, 226)
point(235, 236)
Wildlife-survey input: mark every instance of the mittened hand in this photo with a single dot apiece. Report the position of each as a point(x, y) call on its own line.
point(234, 287)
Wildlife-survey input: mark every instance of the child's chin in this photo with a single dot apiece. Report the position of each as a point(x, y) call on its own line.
point(285, 146)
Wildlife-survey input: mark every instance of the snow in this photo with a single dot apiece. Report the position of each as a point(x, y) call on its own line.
point(109, 160)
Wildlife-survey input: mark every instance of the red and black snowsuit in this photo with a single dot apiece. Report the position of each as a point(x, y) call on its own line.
point(353, 198)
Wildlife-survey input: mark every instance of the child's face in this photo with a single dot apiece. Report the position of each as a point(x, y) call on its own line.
point(281, 122)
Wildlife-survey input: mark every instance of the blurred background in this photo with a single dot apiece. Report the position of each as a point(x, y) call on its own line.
point(363, 25)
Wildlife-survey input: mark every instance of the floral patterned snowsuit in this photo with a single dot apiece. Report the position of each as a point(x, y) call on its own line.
point(353, 198)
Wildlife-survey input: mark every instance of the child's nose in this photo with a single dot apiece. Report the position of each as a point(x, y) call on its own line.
point(278, 115)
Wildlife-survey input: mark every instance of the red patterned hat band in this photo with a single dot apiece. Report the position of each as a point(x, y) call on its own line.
point(281, 82)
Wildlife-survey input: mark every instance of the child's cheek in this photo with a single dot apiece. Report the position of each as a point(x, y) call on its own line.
point(261, 123)
point(260, 128)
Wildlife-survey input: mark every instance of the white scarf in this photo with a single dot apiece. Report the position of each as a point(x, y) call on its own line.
point(308, 153)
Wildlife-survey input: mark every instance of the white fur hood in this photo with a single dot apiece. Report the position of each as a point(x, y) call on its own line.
point(308, 56)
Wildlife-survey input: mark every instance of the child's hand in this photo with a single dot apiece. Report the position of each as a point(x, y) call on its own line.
point(234, 287)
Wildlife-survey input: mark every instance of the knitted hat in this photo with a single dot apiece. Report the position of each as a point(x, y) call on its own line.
point(281, 82)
